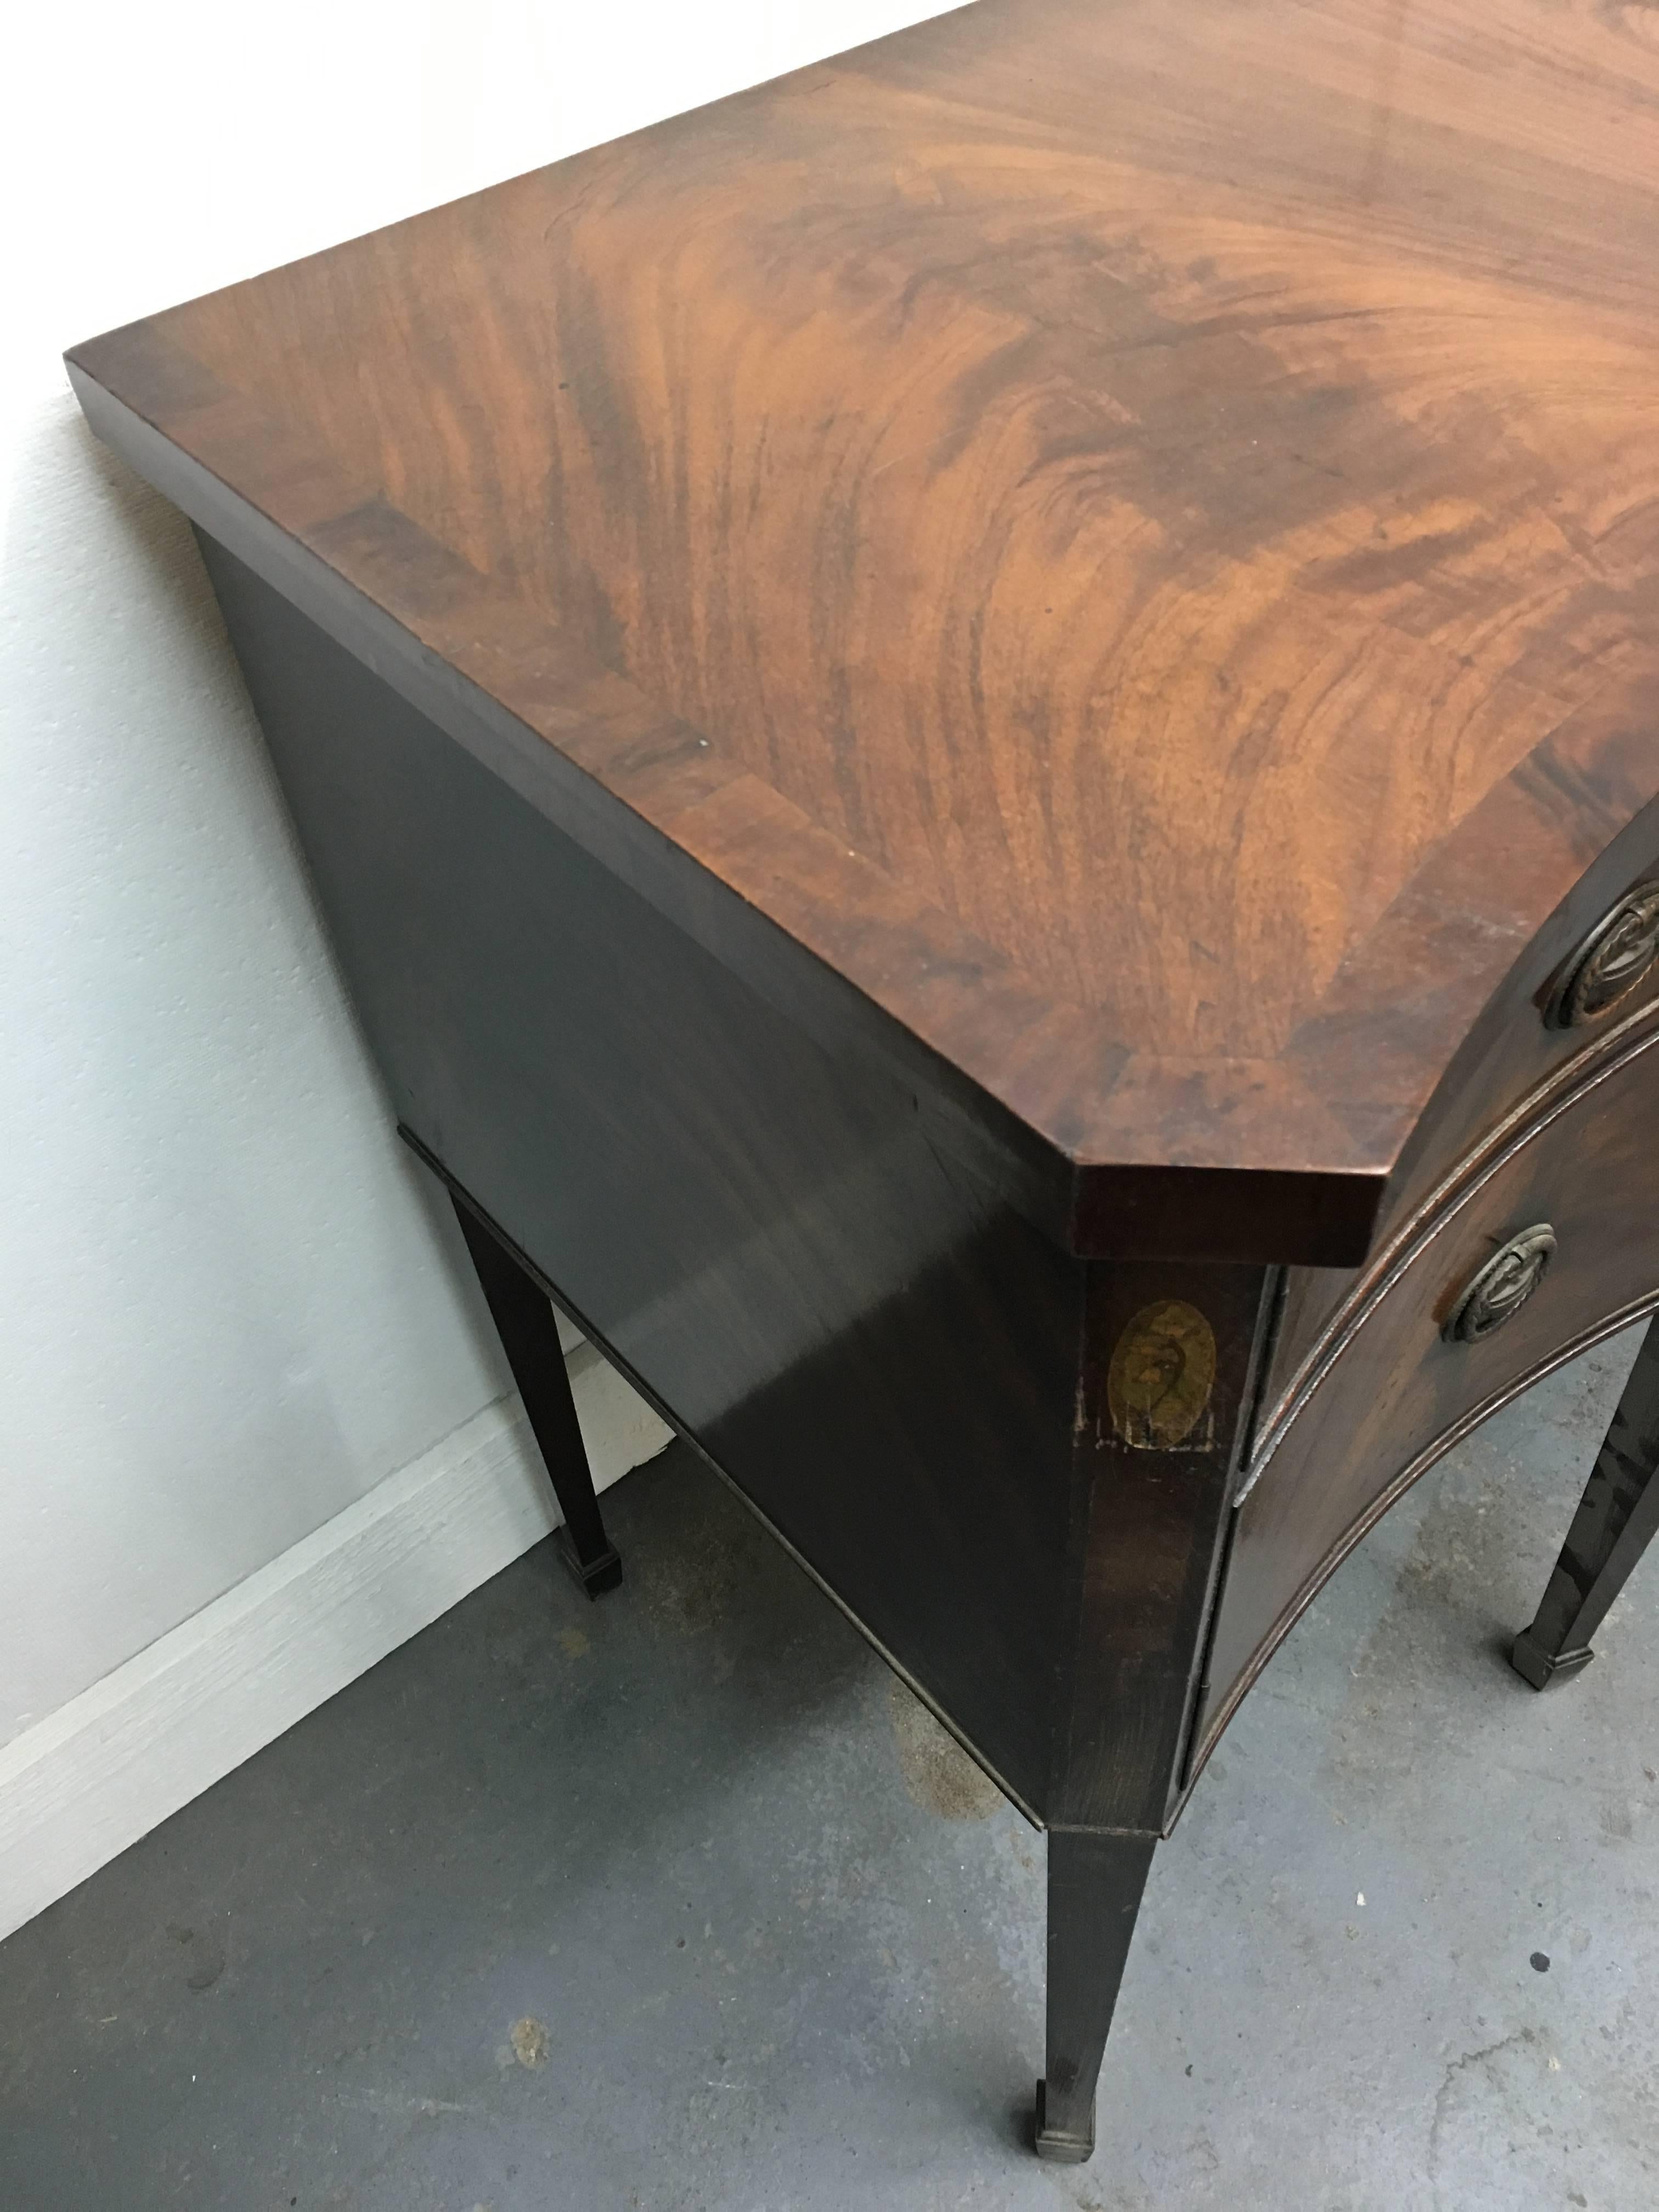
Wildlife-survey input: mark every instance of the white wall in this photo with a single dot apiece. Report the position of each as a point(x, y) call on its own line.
point(228, 1307)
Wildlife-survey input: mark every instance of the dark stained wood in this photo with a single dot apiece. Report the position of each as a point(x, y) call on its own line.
point(1109, 547)
point(1165, 1397)
point(1169, 1369)
point(1095, 1885)
point(1617, 1519)
point(961, 723)
point(1012, 1467)
point(1387, 1395)
point(876, 1350)
point(519, 1306)
point(1509, 1060)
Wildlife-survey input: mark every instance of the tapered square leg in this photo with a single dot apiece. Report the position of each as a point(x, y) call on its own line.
point(1095, 1886)
point(524, 1321)
point(1611, 1528)
point(1172, 1354)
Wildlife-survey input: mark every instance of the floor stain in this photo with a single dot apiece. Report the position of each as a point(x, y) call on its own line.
point(573, 1642)
point(208, 1951)
point(693, 1590)
point(529, 2040)
point(938, 1772)
point(1455, 2080)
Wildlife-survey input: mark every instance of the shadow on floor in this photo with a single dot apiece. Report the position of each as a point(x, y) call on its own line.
point(677, 1901)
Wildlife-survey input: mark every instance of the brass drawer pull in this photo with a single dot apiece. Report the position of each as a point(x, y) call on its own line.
point(1502, 1285)
point(1611, 960)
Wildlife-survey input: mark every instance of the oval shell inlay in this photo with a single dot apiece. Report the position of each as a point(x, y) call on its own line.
point(1161, 1376)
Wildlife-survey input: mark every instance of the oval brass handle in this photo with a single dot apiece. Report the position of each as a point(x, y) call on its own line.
point(1503, 1286)
point(1611, 960)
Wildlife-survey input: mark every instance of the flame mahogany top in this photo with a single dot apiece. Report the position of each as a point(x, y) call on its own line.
point(1125, 534)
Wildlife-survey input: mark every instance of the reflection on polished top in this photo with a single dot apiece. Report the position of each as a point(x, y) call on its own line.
point(1130, 531)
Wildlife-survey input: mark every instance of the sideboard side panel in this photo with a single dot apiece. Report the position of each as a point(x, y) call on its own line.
point(879, 1352)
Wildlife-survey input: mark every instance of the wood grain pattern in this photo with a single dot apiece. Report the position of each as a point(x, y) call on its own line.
point(1384, 1395)
point(957, 719)
point(1013, 1466)
point(1508, 1066)
point(1111, 529)
point(877, 1354)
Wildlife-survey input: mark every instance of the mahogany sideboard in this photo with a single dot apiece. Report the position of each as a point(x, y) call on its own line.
point(980, 733)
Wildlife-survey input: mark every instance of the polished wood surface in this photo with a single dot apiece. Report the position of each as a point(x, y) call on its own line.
point(1013, 1466)
point(880, 1355)
point(1122, 537)
point(1617, 1520)
point(1384, 1393)
point(1511, 1062)
point(1017, 1470)
point(980, 734)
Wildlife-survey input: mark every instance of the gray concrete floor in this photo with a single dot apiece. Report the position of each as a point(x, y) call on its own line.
point(674, 1901)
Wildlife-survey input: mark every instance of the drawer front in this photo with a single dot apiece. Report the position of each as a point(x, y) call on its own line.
point(1587, 982)
point(1550, 1240)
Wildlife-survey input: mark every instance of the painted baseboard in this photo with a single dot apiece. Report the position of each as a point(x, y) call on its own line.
point(81, 1785)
